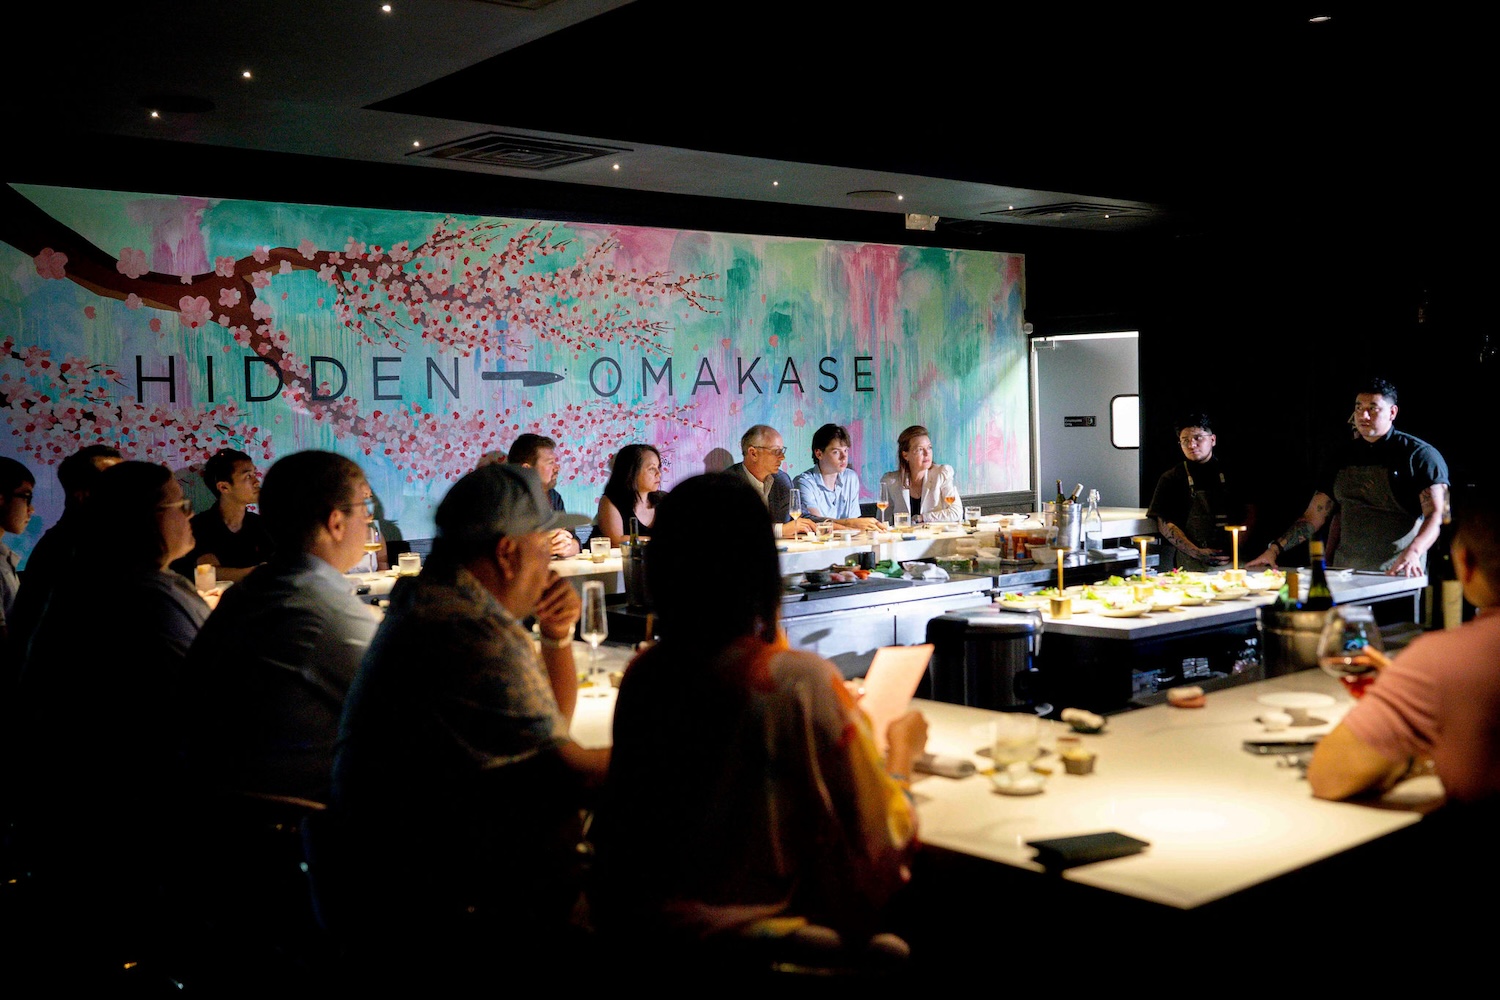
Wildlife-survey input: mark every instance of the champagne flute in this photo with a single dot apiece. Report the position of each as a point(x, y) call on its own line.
point(883, 503)
point(1347, 631)
point(796, 508)
point(593, 628)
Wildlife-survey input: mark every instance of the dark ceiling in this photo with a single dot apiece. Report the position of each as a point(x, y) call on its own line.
point(976, 114)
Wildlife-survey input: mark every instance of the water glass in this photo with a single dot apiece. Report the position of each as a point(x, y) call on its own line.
point(593, 628)
point(903, 520)
point(599, 548)
point(971, 515)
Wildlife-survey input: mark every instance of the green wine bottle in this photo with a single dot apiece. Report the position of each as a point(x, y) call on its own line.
point(1319, 595)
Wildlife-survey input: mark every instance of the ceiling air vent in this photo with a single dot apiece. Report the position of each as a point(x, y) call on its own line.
point(526, 152)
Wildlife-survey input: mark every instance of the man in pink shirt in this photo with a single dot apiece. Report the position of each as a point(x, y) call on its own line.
point(1440, 698)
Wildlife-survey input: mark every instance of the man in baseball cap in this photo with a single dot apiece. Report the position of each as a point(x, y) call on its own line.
point(454, 751)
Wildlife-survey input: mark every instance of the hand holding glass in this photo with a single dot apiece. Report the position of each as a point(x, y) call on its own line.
point(1349, 634)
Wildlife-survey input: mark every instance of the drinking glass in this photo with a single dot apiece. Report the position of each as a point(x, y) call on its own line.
point(373, 544)
point(599, 548)
point(903, 519)
point(1016, 740)
point(796, 508)
point(593, 628)
point(971, 515)
point(1347, 631)
point(882, 503)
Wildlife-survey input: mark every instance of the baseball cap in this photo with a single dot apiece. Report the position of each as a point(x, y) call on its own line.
point(499, 500)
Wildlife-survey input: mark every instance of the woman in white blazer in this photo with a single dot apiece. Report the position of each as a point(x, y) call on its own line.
point(924, 490)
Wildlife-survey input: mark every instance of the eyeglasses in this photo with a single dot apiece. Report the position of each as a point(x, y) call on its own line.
point(1193, 438)
point(368, 503)
point(23, 497)
point(186, 506)
point(778, 452)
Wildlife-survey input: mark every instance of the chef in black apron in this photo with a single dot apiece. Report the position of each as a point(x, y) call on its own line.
point(1193, 501)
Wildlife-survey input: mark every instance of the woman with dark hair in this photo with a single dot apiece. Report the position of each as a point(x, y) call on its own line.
point(780, 818)
point(632, 491)
point(924, 490)
point(100, 684)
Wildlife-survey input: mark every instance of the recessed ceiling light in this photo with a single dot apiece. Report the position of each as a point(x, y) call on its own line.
point(245, 74)
point(615, 166)
point(900, 197)
point(1319, 19)
point(776, 184)
point(156, 114)
point(416, 142)
point(385, 8)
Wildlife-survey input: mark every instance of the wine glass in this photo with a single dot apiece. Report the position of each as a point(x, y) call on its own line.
point(1348, 630)
point(373, 544)
point(796, 508)
point(593, 628)
point(883, 503)
point(950, 497)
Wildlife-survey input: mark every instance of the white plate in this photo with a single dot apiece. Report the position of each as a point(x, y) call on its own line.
point(1130, 611)
point(1296, 699)
point(1191, 600)
point(1024, 604)
point(1230, 594)
point(1165, 600)
point(1008, 782)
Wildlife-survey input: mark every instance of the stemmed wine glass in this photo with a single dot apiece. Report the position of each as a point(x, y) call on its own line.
point(1347, 632)
point(373, 544)
point(593, 628)
point(882, 503)
point(796, 508)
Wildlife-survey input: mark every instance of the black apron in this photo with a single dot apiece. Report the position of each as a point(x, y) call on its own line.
point(1374, 528)
point(1203, 526)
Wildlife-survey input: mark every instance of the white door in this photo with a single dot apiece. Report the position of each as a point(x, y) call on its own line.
point(1085, 416)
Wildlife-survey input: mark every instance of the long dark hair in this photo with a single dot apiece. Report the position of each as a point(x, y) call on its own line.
point(743, 603)
point(620, 489)
point(903, 442)
point(122, 530)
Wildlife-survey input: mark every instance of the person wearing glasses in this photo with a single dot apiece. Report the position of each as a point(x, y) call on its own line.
point(764, 451)
point(230, 537)
point(1385, 493)
point(1196, 498)
point(270, 669)
point(99, 702)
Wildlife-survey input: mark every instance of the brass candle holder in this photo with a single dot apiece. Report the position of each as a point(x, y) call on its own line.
point(1234, 574)
point(1142, 541)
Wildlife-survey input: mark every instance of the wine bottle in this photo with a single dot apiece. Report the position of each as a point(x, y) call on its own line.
point(1287, 597)
point(1319, 595)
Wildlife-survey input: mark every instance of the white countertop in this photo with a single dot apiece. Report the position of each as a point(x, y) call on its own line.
point(1219, 819)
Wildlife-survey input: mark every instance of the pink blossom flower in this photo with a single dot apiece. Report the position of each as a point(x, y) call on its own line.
point(51, 264)
point(89, 311)
point(132, 263)
point(224, 267)
point(195, 311)
point(186, 279)
point(307, 249)
point(261, 254)
point(260, 279)
point(132, 301)
point(229, 297)
point(260, 309)
point(354, 248)
point(285, 267)
point(155, 325)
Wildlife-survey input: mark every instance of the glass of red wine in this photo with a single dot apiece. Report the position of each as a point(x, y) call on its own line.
point(1349, 630)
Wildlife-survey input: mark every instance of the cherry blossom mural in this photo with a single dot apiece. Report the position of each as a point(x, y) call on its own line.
point(172, 326)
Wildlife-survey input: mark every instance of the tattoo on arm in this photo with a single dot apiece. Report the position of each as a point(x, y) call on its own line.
point(1308, 524)
point(1296, 534)
point(1174, 534)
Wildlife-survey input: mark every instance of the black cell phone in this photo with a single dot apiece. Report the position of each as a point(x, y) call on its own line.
point(1271, 747)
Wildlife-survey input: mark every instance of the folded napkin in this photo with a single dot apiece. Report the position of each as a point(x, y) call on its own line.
point(1069, 852)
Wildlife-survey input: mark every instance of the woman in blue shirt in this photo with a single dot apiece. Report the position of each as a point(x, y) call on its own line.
point(830, 489)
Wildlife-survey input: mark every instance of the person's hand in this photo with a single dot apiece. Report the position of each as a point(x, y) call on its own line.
point(557, 609)
point(1214, 557)
point(563, 543)
point(800, 526)
point(864, 524)
point(1410, 564)
point(1370, 657)
point(1266, 559)
point(906, 739)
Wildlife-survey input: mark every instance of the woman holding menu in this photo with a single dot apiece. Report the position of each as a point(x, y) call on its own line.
point(918, 487)
point(746, 805)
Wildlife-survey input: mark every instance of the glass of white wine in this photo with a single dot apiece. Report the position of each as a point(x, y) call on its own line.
point(796, 508)
point(882, 503)
point(373, 544)
point(593, 628)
